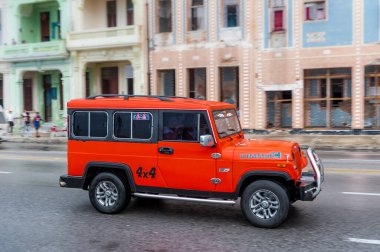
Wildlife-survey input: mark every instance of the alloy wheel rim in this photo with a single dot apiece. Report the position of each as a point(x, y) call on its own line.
point(107, 194)
point(264, 204)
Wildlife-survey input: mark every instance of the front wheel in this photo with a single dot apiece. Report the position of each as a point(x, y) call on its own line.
point(265, 204)
point(108, 194)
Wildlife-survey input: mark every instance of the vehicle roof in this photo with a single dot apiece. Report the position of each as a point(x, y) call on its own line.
point(146, 102)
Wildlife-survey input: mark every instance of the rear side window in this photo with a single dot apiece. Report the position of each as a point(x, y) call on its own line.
point(133, 125)
point(122, 125)
point(98, 124)
point(141, 125)
point(90, 124)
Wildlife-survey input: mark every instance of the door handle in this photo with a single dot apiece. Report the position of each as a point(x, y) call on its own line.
point(166, 150)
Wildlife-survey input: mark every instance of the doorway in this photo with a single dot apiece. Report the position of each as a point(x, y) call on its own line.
point(110, 80)
point(45, 26)
point(28, 95)
point(279, 109)
point(47, 97)
point(1, 93)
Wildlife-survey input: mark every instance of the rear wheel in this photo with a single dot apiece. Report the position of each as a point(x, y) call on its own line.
point(108, 194)
point(265, 203)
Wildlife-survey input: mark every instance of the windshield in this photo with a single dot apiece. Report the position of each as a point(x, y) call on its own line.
point(227, 122)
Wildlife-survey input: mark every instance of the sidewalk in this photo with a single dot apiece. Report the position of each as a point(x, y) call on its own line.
point(44, 139)
point(47, 135)
point(327, 142)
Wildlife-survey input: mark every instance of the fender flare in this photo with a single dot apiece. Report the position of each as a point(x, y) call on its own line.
point(278, 174)
point(118, 166)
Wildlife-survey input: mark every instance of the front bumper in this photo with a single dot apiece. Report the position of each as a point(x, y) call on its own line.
point(309, 186)
point(70, 181)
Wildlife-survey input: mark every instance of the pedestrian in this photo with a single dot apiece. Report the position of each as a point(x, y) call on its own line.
point(10, 120)
point(37, 123)
point(27, 128)
point(23, 115)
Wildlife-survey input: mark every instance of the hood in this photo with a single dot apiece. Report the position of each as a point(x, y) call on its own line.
point(252, 149)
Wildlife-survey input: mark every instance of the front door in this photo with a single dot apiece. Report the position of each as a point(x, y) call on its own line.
point(183, 162)
point(28, 94)
point(47, 97)
point(110, 80)
point(45, 26)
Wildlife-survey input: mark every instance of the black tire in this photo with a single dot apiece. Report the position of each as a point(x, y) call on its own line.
point(110, 184)
point(270, 192)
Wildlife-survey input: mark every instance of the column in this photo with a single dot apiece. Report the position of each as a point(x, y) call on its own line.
point(16, 87)
point(180, 15)
point(259, 94)
point(358, 70)
point(138, 79)
point(7, 90)
point(297, 94)
point(246, 70)
point(212, 71)
point(66, 80)
point(77, 10)
point(78, 81)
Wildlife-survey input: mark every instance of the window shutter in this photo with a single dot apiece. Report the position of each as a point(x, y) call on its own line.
point(278, 20)
point(307, 13)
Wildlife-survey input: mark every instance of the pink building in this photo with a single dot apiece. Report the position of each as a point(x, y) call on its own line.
point(310, 64)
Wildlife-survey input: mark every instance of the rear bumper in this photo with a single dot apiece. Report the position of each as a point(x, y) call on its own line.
point(70, 181)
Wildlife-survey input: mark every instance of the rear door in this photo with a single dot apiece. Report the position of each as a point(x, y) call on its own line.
point(183, 162)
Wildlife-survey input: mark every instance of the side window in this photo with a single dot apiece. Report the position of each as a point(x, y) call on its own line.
point(122, 125)
point(187, 127)
point(90, 124)
point(141, 125)
point(98, 124)
point(136, 125)
point(80, 124)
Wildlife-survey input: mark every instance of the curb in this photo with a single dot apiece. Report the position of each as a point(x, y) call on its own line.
point(63, 141)
point(37, 141)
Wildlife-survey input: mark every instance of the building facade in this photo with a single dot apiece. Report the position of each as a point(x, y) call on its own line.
point(318, 64)
point(56, 50)
point(310, 64)
point(204, 49)
point(4, 65)
point(39, 77)
point(107, 47)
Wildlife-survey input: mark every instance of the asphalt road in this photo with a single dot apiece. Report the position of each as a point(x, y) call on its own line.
point(37, 215)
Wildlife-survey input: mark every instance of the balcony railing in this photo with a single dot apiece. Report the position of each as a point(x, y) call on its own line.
point(35, 51)
point(104, 38)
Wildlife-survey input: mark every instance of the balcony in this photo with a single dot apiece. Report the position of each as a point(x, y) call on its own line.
point(35, 51)
point(104, 38)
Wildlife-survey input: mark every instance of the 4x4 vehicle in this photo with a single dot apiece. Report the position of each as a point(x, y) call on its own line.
point(182, 149)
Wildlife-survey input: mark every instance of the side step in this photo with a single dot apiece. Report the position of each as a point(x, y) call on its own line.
point(157, 196)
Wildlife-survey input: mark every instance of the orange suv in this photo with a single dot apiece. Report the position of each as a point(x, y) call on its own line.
point(123, 146)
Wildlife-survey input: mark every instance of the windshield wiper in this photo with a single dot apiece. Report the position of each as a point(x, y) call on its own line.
point(234, 130)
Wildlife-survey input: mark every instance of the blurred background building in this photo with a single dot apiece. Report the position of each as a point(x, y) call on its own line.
point(286, 64)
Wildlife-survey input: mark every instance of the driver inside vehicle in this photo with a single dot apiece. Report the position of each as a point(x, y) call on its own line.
point(178, 127)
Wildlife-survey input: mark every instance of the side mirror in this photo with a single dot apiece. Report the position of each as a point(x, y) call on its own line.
point(207, 141)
